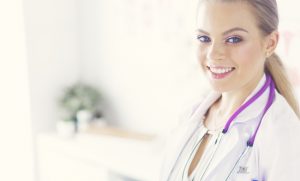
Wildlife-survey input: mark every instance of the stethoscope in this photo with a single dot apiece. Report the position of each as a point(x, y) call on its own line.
point(268, 84)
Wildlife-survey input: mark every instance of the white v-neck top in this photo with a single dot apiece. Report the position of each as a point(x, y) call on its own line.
point(207, 154)
point(189, 152)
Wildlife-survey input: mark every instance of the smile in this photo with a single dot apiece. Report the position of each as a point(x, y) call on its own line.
point(219, 72)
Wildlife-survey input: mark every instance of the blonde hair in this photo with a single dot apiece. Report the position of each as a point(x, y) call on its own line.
point(276, 69)
point(266, 13)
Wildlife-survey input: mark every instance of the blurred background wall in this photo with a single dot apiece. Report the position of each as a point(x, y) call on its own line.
point(138, 53)
point(16, 134)
point(53, 46)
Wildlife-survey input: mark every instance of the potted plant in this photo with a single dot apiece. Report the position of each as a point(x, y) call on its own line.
point(78, 104)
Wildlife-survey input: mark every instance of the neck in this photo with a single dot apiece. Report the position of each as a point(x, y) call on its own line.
point(231, 101)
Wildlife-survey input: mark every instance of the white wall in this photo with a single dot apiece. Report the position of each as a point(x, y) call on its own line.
point(141, 55)
point(289, 43)
point(52, 34)
point(16, 153)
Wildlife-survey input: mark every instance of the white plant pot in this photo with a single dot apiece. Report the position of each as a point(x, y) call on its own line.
point(65, 128)
point(83, 119)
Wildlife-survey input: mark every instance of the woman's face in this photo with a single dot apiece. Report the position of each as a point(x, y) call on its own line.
point(231, 47)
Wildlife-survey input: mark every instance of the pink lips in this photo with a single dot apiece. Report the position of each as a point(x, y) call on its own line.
point(220, 74)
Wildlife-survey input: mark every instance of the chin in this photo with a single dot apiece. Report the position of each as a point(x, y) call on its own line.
point(220, 84)
point(220, 87)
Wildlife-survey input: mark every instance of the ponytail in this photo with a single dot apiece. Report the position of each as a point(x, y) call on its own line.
point(276, 69)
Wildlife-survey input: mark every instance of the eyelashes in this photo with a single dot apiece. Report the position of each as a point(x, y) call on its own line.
point(203, 39)
point(230, 40)
point(234, 39)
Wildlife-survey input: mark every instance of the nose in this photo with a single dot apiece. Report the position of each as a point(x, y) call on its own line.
point(216, 51)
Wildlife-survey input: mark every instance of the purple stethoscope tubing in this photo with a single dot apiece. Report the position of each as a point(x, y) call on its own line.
point(250, 142)
point(269, 83)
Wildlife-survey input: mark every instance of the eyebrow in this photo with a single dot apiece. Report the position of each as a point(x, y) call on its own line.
point(227, 31)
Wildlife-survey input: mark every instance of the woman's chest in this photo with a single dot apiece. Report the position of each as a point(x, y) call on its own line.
point(227, 157)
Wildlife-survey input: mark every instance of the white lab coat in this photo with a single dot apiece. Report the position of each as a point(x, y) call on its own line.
point(275, 155)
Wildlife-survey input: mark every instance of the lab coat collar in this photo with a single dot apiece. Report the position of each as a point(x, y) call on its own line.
point(256, 108)
point(250, 112)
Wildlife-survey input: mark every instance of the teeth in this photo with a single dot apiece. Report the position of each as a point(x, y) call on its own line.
point(221, 70)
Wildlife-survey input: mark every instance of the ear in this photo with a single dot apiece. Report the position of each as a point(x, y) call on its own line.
point(271, 43)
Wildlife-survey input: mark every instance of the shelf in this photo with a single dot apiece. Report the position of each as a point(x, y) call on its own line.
point(134, 156)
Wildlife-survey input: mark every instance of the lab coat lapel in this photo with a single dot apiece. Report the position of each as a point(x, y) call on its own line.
point(185, 131)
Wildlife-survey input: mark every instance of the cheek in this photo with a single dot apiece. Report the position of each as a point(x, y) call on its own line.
point(247, 56)
point(201, 55)
point(200, 59)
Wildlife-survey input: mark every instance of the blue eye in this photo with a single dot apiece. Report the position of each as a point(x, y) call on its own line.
point(203, 39)
point(234, 39)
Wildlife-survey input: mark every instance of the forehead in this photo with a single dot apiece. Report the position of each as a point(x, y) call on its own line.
point(217, 17)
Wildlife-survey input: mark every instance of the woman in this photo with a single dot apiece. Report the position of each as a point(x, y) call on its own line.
point(248, 128)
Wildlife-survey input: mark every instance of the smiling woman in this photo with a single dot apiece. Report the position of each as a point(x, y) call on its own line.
point(251, 110)
point(236, 45)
